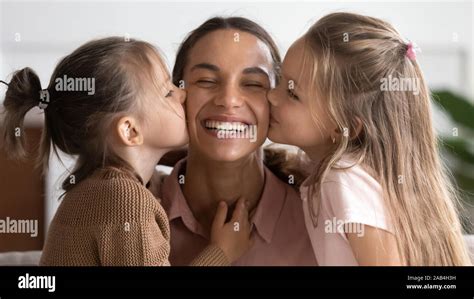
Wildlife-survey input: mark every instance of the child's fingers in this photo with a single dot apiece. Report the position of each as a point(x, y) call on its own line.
point(245, 215)
point(239, 211)
point(221, 215)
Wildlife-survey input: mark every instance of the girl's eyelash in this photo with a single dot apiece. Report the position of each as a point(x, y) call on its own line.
point(169, 94)
point(292, 94)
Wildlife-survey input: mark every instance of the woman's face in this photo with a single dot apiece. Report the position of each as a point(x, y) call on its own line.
point(226, 77)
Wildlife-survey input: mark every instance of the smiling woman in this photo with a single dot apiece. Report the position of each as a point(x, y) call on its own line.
point(227, 65)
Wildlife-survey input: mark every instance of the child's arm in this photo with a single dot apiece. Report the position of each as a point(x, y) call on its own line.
point(232, 237)
point(376, 247)
point(133, 229)
point(143, 242)
point(229, 240)
point(147, 244)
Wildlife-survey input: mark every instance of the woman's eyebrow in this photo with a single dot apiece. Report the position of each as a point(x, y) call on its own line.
point(255, 70)
point(206, 66)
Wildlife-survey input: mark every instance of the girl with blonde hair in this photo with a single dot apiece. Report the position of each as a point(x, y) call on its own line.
point(377, 193)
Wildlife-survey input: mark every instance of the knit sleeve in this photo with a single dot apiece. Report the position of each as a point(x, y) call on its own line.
point(133, 244)
point(211, 256)
point(134, 228)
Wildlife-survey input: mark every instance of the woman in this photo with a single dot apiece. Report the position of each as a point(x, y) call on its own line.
point(227, 65)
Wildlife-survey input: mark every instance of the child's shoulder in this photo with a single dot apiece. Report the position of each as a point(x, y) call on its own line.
point(109, 195)
point(349, 175)
point(117, 185)
point(349, 192)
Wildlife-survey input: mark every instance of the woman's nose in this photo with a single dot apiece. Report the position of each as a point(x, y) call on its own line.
point(230, 97)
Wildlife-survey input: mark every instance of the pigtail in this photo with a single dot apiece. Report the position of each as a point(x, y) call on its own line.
point(23, 93)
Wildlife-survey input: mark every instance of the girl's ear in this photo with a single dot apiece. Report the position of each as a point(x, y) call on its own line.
point(128, 131)
point(336, 135)
point(356, 128)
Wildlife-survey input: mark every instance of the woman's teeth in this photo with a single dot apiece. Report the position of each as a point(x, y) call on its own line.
point(225, 126)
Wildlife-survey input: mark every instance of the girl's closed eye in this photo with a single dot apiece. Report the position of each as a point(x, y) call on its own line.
point(169, 94)
point(293, 95)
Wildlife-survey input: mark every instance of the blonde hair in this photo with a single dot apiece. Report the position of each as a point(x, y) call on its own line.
point(346, 56)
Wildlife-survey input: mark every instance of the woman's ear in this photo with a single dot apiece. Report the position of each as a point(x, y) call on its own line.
point(128, 131)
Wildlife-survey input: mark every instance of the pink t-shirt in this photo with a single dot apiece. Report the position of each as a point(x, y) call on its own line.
point(351, 197)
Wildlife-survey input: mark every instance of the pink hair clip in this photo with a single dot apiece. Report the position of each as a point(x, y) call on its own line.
point(411, 51)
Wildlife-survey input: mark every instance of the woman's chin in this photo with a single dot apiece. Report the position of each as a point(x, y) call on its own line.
point(229, 153)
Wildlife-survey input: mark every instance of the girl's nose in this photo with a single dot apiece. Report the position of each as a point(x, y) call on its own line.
point(182, 95)
point(271, 97)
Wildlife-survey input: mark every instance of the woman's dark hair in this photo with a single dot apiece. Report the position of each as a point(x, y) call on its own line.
point(219, 23)
point(77, 122)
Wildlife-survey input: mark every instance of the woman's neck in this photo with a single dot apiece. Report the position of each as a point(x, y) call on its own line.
point(208, 182)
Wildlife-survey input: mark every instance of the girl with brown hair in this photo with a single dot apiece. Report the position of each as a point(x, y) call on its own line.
point(118, 132)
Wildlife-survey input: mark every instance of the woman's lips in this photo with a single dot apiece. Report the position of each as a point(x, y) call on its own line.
point(228, 118)
point(217, 126)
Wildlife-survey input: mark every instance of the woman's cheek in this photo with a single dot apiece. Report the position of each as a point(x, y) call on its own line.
point(191, 113)
point(262, 113)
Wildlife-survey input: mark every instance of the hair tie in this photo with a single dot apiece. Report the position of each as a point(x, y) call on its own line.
point(44, 99)
point(411, 51)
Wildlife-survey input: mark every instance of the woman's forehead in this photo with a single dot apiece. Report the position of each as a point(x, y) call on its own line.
point(230, 49)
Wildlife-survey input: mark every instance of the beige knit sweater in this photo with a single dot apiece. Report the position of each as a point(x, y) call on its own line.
point(111, 219)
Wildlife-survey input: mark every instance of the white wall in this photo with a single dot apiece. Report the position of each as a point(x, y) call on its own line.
point(52, 29)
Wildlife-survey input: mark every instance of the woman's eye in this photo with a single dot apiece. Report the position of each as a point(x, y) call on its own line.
point(293, 95)
point(254, 85)
point(206, 83)
point(170, 93)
